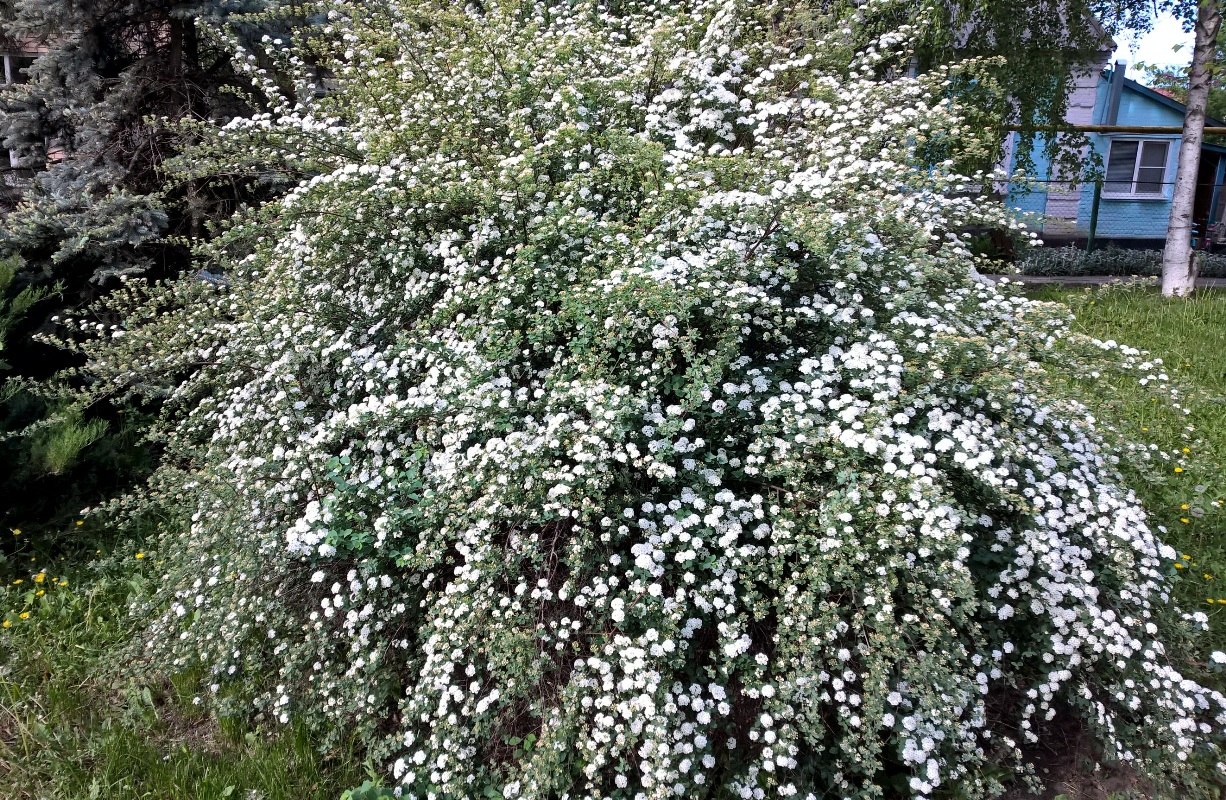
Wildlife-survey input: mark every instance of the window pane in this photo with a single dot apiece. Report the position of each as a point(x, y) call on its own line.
point(1120, 165)
point(1153, 154)
point(1149, 179)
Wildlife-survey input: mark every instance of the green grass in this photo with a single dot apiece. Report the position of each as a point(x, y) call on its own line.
point(73, 725)
point(1183, 483)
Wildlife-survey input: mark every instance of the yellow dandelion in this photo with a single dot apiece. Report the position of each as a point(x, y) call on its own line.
point(1184, 520)
point(1145, 429)
point(1187, 449)
point(1178, 565)
point(1178, 470)
point(8, 623)
point(16, 531)
point(1208, 577)
point(140, 555)
point(40, 593)
point(1210, 600)
point(1185, 557)
point(64, 582)
point(1184, 507)
point(19, 581)
point(40, 577)
point(80, 522)
point(24, 615)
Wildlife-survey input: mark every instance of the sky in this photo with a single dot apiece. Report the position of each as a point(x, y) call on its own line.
point(1156, 47)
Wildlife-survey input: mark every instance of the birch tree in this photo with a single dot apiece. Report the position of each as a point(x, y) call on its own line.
point(1178, 259)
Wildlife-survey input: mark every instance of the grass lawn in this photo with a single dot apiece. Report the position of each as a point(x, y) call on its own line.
point(73, 726)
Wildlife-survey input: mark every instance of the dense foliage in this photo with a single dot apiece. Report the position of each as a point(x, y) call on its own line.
point(88, 128)
point(615, 414)
point(92, 122)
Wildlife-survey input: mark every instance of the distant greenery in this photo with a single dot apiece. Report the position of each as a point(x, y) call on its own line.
point(39, 440)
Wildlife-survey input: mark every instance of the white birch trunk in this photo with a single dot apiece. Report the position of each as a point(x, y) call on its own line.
point(1178, 259)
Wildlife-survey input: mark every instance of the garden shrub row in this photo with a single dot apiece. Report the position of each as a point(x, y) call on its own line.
point(1074, 261)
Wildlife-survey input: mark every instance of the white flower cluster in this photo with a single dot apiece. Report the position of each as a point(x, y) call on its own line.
point(615, 417)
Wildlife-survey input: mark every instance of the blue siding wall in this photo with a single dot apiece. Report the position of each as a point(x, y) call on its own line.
point(1137, 109)
point(1127, 218)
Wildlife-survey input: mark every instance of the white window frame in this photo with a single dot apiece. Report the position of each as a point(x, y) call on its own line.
point(1132, 193)
point(9, 69)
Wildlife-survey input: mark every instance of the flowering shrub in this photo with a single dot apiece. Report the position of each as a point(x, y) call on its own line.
point(615, 415)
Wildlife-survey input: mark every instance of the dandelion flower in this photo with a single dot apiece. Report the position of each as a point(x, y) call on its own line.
point(24, 615)
point(40, 577)
point(1178, 470)
point(140, 555)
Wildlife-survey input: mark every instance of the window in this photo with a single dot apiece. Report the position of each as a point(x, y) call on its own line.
point(15, 67)
point(1136, 167)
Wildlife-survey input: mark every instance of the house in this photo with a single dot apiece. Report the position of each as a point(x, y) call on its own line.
point(1132, 203)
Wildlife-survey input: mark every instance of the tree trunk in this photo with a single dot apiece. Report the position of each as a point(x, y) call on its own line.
point(1179, 260)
